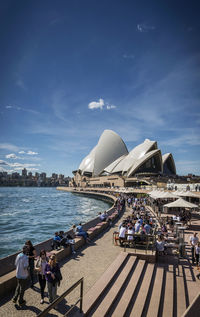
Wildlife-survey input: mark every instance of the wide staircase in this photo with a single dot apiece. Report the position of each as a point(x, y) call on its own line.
point(133, 287)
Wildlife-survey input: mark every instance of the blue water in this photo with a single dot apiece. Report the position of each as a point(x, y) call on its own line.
point(36, 213)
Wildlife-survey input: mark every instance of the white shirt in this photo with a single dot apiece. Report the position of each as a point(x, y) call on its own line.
point(130, 231)
point(197, 249)
point(21, 264)
point(137, 227)
point(122, 232)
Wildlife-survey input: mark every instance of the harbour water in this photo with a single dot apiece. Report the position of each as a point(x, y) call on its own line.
point(36, 213)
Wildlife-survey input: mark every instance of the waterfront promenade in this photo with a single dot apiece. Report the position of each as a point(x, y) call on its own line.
point(90, 262)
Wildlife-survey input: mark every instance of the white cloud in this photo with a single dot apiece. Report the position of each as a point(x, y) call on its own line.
point(128, 56)
point(18, 108)
point(143, 27)
point(9, 147)
point(3, 163)
point(100, 104)
point(96, 104)
point(32, 153)
point(12, 156)
point(22, 152)
point(110, 107)
point(21, 165)
point(188, 138)
point(30, 169)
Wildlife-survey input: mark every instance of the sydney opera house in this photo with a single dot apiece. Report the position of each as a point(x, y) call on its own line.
point(110, 164)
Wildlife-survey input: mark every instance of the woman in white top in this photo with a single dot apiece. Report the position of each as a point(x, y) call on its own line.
point(40, 268)
point(122, 233)
point(130, 231)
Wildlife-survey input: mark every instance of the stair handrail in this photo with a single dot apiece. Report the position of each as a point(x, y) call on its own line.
point(61, 297)
point(193, 309)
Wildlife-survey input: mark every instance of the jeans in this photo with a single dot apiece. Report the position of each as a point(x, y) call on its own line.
point(20, 289)
point(193, 258)
point(83, 234)
point(52, 291)
point(42, 282)
point(31, 270)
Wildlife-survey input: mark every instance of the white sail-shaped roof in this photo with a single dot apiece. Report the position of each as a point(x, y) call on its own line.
point(113, 165)
point(142, 160)
point(138, 152)
point(111, 156)
point(109, 148)
point(87, 164)
point(167, 159)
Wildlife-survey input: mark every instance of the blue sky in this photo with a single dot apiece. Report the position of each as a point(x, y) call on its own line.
point(70, 69)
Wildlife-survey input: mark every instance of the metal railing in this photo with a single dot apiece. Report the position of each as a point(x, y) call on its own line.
point(61, 297)
point(138, 240)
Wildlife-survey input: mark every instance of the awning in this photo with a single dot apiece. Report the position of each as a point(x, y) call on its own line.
point(181, 203)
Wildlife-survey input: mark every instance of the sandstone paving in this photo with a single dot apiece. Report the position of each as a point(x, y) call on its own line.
point(90, 262)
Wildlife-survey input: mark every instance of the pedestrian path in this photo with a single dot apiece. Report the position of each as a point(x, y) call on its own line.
point(89, 262)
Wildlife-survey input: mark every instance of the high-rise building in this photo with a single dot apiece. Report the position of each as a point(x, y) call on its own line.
point(24, 172)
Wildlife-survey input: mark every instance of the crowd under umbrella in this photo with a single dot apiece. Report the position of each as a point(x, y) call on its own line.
point(181, 203)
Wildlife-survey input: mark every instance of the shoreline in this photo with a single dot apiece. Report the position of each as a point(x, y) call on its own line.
point(90, 262)
point(7, 263)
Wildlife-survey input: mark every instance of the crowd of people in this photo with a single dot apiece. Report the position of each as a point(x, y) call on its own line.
point(133, 228)
point(47, 269)
point(138, 223)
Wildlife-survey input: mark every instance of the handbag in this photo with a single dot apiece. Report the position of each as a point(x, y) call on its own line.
point(58, 275)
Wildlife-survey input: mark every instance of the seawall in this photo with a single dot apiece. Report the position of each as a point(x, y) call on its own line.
point(7, 264)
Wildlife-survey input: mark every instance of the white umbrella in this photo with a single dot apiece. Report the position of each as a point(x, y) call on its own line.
point(155, 194)
point(168, 195)
point(161, 194)
point(181, 203)
point(188, 194)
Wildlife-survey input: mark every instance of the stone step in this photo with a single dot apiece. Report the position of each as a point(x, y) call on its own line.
point(180, 293)
point(99, 287)
point(168, 293)
point(190, 283)
point(109, 299)
point(139, 304)
point(123, 303)
point(156, 293)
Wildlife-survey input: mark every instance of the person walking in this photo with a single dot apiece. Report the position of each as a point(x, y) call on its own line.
point(21, 264)
point(40, 268)
point(31, 256)
point(193, 242)
point(52, 271)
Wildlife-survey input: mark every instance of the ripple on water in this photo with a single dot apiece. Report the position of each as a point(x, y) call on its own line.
point(36, 213)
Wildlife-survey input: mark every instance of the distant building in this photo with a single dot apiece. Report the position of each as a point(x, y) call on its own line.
point(24, 172)
point(43, 176)
point(30, 174)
